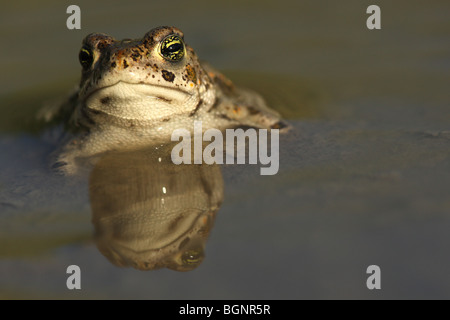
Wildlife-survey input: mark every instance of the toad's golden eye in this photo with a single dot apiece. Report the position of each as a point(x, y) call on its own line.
point(172, 48)
point(86, 57)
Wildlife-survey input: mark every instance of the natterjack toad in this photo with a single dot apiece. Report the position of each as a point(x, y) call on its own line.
point(136, 92)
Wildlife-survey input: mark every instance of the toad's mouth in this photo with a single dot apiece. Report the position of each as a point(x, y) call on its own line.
point(124, 90)
point(139, 100)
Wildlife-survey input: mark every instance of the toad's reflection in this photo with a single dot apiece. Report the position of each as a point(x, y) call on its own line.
point(149, 213)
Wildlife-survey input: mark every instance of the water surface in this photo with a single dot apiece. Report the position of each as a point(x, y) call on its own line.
point(364, 173)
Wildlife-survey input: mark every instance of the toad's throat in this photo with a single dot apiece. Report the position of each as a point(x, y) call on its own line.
point(140, 101)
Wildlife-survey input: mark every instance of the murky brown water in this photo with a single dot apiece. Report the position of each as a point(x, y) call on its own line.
point(364, 174)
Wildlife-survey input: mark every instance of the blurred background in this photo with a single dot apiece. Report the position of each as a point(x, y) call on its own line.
point(364, 174)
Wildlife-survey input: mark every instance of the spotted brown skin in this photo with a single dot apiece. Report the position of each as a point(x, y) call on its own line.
point(163, 60)
point(136, 92)
point(191, 74)
point(168, 76)
point(113, 57)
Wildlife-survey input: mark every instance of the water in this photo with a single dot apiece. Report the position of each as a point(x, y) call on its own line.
point(364, 173)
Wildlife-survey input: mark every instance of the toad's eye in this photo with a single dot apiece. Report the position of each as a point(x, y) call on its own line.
point(86, 58)
point(172, 48)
